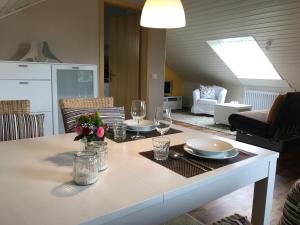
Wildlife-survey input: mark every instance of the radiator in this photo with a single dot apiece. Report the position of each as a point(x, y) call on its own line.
point(259, 99)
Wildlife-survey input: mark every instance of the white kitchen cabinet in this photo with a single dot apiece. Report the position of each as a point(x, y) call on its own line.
point(25, 70)
point(38, 92)
point(72, 81)
point(44, 84)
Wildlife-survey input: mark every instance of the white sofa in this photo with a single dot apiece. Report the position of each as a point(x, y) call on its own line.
point(206, 106)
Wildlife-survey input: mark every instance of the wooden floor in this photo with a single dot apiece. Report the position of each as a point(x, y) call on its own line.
point(288, 171)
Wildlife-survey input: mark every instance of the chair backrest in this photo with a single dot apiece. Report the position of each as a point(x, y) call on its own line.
point(81, 103)
point(218, 90)
point(21, 126)
point(287, 122)
point(15, 107)
point(220, 94)
point(86, 102)
point(108, 115)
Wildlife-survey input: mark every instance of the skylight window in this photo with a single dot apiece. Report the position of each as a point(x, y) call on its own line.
point(245, 58)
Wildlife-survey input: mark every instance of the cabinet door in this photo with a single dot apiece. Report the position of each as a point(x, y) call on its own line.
point(24, 70)
point(37, 91)
point(72, 81)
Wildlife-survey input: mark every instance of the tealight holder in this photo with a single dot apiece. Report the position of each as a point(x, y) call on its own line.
point(85, 167)
point(100, 147)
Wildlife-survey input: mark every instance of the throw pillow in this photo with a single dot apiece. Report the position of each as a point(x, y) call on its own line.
point(21, 126)
point(207, 92)
point(275, 108)
point(109, 116)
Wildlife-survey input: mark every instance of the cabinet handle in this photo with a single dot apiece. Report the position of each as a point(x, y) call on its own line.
point(23, 82)
point(75, 68)
point(23, 66)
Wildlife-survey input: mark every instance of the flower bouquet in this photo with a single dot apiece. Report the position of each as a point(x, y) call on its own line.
point(90, 128)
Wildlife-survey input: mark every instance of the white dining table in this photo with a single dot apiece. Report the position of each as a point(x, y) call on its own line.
point(36, 186)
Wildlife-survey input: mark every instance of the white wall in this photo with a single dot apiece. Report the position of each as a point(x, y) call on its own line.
point(187, 98)
point(70, 26)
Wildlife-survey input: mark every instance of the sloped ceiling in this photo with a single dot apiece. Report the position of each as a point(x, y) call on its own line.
point(8, 7)
point(277, 21)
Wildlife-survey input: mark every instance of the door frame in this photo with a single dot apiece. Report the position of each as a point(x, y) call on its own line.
point(118, 3)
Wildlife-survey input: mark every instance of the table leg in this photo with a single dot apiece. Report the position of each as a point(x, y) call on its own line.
point(263, 197)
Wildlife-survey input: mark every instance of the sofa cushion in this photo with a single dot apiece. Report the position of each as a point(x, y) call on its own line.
point(253, 122)
point(207, 92)
point(275, 108)
point(207, 101)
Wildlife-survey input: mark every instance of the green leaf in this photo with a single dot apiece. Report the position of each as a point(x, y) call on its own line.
point(79, 137)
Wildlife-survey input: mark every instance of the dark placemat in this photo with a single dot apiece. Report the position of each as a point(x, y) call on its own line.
point(186, 169)
point(151, 134)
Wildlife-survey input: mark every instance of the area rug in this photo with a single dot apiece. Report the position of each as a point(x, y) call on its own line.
point(202, 121)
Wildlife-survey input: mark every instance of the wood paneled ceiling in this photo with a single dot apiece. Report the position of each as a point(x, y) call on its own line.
point(274, 21)
point(8, 7)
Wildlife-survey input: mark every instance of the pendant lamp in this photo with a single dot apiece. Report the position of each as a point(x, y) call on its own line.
point(163, 14)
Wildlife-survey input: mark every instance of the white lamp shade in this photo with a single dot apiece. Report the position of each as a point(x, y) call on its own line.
point(163, 14)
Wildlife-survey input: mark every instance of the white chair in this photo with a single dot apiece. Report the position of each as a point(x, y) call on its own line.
point(206, 106)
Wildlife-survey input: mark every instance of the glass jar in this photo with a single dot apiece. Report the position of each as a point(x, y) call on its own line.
point(102, 153)
point(119, 131)
point(85, 169)
point(83, 144)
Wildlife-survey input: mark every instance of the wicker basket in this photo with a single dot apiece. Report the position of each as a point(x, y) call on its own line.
point(15, 106)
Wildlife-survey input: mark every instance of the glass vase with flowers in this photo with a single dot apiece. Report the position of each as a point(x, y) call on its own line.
point(90, 130)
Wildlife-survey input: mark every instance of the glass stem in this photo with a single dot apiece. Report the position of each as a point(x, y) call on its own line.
point(138, 129)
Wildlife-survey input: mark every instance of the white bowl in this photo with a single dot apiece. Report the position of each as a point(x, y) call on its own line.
point(227, 155)
point(144, 126)
point(209, 146)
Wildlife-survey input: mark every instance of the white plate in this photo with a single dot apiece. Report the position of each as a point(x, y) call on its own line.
point(227, 155)
point(209, 146)
point(145, 125)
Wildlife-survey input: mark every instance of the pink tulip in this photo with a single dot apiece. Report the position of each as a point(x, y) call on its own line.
point(100, 132)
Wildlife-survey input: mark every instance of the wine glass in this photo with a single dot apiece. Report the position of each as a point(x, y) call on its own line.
point(138, 113)
point(162, 119)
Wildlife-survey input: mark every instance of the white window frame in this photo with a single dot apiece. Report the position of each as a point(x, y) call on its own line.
point(245, 58)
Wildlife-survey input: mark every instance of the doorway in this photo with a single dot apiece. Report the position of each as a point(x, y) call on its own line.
point(122, 61)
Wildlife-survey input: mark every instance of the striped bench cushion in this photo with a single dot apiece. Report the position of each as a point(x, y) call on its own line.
point(291, 209)
point(235, 219)
point(21, 126)
point(109, 116)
